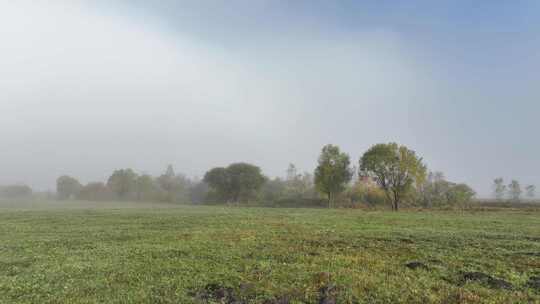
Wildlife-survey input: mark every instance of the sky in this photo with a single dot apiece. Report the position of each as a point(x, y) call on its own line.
point(87, 87)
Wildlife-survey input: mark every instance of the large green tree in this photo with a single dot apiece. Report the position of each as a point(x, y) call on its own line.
point(218, 180)
point(67, 187)
point(122, 182)
point(237, 183)
point(396, 169)
point(245, 180)
point(333, 172)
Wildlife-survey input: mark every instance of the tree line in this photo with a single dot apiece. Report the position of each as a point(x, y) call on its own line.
point(392, 170)
point(512, 191)
point(15, 191)
point(386, 174)
point(126, 184)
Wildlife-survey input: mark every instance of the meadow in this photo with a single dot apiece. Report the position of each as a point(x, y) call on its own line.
point(74, 252)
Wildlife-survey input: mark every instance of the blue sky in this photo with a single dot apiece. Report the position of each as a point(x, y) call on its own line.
point(204, 83)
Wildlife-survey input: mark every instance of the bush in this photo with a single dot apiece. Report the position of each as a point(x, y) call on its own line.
point(362, 193)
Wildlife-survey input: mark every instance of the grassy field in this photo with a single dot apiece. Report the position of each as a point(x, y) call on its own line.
point(130, 253)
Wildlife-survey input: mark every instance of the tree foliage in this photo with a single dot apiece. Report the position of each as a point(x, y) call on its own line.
point(295, 190)
point(531, 191)
point(436, 191)
point(146, 188)
point(514, 191)
point(15, 191)
point(433, 192)
point(198, 192)
point(332, 173)
point(387, 173)
point(396, 169)
point(67, 187)
point(298, 185)
point(95, 191)
point(499, 188)
point(122, 182)
point(460, 195)
point(218, 180)
point(364, 192)
point(174, 187)
point(239, 182)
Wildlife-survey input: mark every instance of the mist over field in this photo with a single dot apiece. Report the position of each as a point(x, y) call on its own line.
point(269, 152)
point(93, 86)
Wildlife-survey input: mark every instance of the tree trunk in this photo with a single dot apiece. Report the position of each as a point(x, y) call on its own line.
point(396, 201)
point(390, 200)
point(329, 200)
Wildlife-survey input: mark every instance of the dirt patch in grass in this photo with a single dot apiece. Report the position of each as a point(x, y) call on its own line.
point(406, 241)
point(216, 293)
point(245, 293)
point(328, 294)
point(532, 254)
point(436, 261)
point(534, 283)
point(278, 300)
point(417, 265)
point(328, 291)
point(484, 279)
point(329, 243)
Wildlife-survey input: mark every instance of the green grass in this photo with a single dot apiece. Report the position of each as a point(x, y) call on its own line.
point(170, 254)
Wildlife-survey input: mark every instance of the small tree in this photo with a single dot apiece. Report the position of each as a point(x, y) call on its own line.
point(514, 191)
point(67, 187)
point(333, 172)
point(396, 169)
point(531, 191)
point(499, 188)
